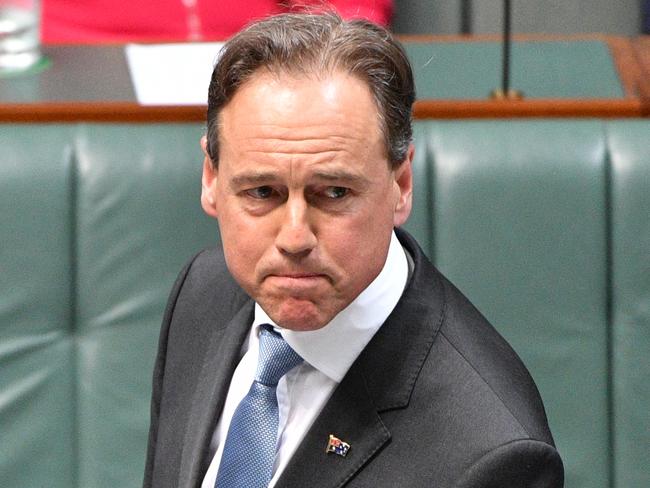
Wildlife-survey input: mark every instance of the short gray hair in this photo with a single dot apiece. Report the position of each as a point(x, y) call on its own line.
point(310, 44)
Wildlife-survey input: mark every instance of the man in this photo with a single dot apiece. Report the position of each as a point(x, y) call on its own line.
point(390, 377)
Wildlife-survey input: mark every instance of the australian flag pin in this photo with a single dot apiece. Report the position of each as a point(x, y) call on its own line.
point(337, 446)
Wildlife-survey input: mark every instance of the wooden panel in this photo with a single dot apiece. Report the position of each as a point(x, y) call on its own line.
point(129, 112)
point(549, 108)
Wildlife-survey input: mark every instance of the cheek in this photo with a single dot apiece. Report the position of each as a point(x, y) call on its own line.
point(243, 245)
point(359, 245)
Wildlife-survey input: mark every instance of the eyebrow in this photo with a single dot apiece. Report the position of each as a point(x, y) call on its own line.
point(252, 179)
point(267, 177)
point(340, 175)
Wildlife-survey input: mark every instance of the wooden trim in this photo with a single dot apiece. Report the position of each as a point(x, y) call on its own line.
point(627, 65)
point(642, 54)
point(642, 51)
point(423, 109)
point(481, 109)
point(124, 112)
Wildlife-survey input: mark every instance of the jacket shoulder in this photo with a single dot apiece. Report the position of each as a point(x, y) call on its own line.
point(204, 299)
point(208, 283)
point(477, 407)
point(471, 350)
point(468, 358)
point(493, 363)
point(528, 463)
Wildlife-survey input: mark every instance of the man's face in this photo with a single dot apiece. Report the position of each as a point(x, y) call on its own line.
point(304, 195)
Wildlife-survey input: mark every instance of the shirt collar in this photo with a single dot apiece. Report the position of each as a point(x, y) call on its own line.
point(333, 348)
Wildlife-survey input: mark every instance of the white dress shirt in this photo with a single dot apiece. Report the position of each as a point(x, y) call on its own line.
point(328, 353)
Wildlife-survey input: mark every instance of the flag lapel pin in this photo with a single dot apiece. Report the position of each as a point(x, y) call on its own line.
point(337, 446)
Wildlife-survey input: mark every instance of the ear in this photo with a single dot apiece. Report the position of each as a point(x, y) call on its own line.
point(403, 186)
point(208, 183)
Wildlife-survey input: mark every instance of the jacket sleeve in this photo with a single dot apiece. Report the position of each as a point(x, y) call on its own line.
point(158, 374)
point(523, 463)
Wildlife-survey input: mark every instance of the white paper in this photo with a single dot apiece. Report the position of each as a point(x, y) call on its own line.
point(172, 74)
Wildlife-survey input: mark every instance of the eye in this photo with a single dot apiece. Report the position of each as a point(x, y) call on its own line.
point(260, 193)
point(336, 192)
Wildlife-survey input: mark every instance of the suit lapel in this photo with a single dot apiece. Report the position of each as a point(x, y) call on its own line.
point(381, 379)
point(350, 416)
point(223, 354)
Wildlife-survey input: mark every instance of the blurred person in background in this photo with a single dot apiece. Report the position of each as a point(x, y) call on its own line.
point(109, 21)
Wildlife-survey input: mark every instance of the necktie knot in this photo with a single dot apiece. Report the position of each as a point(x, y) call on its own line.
point(276, 358)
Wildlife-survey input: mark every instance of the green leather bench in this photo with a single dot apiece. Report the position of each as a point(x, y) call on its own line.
point(544, 224)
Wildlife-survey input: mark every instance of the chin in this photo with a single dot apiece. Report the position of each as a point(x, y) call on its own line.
point(300, 315)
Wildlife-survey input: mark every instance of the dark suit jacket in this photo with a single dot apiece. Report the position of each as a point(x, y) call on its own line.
point(436, 399)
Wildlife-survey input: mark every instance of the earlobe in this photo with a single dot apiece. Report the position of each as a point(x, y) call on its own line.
point(404, 189)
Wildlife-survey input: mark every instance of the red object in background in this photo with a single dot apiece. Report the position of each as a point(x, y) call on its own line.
point(113, 21)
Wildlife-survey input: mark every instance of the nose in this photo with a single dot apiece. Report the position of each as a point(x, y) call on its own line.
point(296, 236)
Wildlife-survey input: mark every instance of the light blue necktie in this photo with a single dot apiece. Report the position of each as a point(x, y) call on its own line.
point(249, 452)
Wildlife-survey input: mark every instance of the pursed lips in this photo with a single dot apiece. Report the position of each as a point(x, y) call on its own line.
point(297, 275)
point(296, 281)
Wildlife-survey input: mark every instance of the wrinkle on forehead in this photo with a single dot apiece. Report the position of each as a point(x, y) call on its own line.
point(295, 143)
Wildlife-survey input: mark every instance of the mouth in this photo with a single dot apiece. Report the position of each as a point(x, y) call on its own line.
point(296, 282)
point(297, 275)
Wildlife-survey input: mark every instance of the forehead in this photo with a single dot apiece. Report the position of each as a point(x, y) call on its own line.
point(301, 106)
point(269, 93)
point(296, 79)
